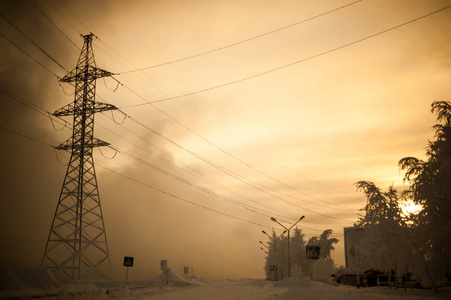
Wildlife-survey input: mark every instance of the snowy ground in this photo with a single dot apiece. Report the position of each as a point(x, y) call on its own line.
point(288, 289)
point(41, 284)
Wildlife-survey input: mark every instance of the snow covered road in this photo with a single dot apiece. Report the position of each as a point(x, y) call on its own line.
point(42, 284)
point(287, 290)
point(224, 289)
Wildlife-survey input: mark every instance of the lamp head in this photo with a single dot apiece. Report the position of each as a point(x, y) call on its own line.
point(264, 231)
point(273, 219)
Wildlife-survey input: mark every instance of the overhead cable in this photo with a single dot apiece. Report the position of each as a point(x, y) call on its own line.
point(34, 43)
point(27, 54)
point(244, 41)
point(53, 23)
point(147, 185)
point(293, 63)
point(244, 163)
point(232, 174)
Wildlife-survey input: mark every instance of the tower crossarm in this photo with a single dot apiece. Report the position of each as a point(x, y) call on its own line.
point(70, 145)
point(70, 109)
point(91, 73)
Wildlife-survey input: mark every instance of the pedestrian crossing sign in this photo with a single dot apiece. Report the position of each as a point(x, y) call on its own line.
point(312, 252)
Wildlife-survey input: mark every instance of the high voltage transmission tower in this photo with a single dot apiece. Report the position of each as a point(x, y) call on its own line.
point(77, 243)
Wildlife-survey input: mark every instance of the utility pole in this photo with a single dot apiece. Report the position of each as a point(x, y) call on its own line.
point(77, 245)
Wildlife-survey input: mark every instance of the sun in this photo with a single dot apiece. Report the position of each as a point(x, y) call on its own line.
point(409, 208)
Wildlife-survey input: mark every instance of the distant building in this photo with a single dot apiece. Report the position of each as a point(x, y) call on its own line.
point(352, 236)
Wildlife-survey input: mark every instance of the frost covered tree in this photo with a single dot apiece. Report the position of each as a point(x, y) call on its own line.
point(388, 242)
point(380, 206)
point(298, 259)
point(276, 257)
point(326, 244)
point(428, 232)
point(325, 265)
point(300, 265)
point(430, 186)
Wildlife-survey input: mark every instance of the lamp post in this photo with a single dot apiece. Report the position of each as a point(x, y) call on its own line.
point(288, 230)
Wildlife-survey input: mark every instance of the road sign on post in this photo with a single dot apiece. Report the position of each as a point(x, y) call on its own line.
point(164, 268)
point(164, 265)
point(273, 269)
point(128, 262)
point(312, 252)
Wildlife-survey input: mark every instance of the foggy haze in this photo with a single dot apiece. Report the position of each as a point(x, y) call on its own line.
point(303, 134)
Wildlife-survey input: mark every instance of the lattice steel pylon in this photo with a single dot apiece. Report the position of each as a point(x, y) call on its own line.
point(77, 244)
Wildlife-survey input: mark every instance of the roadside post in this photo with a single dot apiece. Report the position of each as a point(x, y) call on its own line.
point(273, 268)
point(128, 262)
point(164, 268)
point(312, 252)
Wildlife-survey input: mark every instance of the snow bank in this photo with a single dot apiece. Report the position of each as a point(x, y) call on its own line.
point(288, 282)
point(42, 283)
point(197, 281)
point(306, 288)
point(170, 277)
point(37, 278)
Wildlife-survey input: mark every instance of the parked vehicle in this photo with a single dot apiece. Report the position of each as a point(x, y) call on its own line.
point(349, 277)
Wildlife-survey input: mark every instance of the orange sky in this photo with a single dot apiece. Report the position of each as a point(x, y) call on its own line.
point(287, 143)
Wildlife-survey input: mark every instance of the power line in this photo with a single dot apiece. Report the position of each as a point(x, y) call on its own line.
point(152, 187)
point(64, 17)
point(144, 184)
point(220, 168)
point(168, 193)
point(193, 173)
point(209, 122)
point(68, 8)
point(40, 111)
point(27, 54)
point(108, 46)
point(53, 23)
point(232, 174)
point(297, 23)
point(25, 136)
point(181, 198)
point(246, 40)
point(211, 163)
point(245, 206)
point(26, 36)
point(191, 184)
point(236, 176)
point(293, 63)
point(34, 107)
point(247, 165)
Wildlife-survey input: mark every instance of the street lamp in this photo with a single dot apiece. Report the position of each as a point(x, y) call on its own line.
point(264, 245)
point(289, 252)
